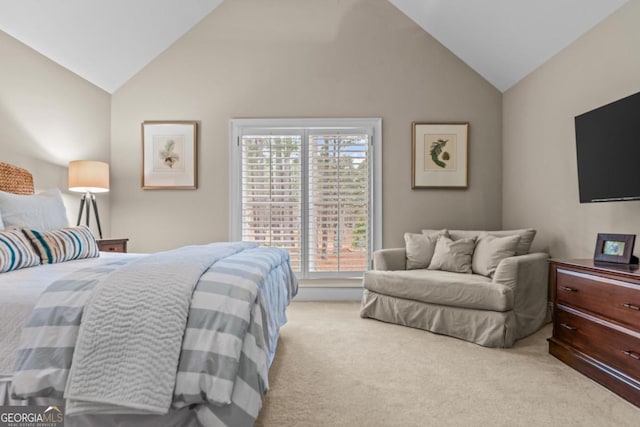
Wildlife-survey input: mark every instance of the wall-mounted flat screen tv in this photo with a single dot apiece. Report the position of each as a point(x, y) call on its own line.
point(608, 148)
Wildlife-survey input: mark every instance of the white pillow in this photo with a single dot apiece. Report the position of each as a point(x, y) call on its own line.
point(490, 250)
point(1, 223)
point(453, 255)
point(43, 211)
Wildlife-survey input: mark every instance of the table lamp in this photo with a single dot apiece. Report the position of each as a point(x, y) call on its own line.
point(89, 177)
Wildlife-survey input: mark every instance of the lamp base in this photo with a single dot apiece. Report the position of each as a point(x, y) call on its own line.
point(87, 200)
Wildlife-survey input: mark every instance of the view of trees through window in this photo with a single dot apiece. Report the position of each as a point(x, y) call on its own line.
point(309, 194)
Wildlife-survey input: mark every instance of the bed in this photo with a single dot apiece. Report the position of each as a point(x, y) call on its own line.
point(177, 338)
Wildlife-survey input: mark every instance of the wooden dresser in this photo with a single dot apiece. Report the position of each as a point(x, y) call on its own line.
point(596, 322)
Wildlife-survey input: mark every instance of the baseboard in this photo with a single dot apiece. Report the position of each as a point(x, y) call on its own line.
point(311, 293)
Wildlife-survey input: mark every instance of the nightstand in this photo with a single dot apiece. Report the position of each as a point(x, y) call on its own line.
point(113, 245)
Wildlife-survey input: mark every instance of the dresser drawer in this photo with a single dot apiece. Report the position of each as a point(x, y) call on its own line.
point(613, 299)
point(113, 245)
point(611, 346)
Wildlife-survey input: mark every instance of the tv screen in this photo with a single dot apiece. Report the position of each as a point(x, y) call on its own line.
point(608, 148)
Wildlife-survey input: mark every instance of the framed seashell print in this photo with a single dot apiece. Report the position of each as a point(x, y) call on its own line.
point(440, 155)
point(169, 155)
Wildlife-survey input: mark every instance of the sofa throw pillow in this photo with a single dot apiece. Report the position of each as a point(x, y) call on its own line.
point(419, 248)
point(16, 251)
point(490, 250)
point(65, 244)
point(526, 236)
point(453, 255)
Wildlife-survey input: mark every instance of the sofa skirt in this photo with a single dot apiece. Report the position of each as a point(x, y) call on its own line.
point(484, 327)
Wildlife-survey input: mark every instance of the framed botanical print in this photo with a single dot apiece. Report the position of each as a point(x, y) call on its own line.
point(169, 155)
point(440, 155)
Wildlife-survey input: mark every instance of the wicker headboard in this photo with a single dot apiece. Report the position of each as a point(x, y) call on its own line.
point(15, 180)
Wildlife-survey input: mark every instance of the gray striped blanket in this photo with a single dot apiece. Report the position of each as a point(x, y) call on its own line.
point(236, 310)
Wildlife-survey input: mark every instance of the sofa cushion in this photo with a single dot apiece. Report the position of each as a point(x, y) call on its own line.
point(453, 255)
point(526, 236)
point(441, 287)
point(420, 248)
point(490, 250)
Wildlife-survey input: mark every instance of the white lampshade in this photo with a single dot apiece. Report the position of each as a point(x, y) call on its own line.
point(88, 176)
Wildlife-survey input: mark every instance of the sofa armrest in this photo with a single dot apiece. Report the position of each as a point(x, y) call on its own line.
point(390, 259)
point(528, 277)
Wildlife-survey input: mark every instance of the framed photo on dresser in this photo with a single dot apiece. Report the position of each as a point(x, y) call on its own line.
point(616, 248)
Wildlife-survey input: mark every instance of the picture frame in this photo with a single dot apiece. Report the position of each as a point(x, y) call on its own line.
point(440, 155)
point(169, 155)
point(615, 248)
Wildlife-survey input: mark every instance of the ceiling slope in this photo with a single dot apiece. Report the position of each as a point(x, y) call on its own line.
point(104, 41)
point(504, 40)
point(107, 42)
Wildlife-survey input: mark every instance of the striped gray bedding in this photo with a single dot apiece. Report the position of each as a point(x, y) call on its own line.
point(236, 310)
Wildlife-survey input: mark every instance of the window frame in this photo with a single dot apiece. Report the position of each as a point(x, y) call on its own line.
point(373, 126)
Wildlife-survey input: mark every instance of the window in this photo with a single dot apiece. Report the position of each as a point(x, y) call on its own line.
point(310, 186)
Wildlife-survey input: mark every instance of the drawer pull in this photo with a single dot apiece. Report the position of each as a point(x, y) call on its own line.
point(632, 354)
point(631, 306)
point(568, 289)
point(569, 327)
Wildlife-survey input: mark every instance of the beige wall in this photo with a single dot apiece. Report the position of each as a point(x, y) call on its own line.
point(363, 58)
point(287, 58)
point(540, 185)
point(49, 116)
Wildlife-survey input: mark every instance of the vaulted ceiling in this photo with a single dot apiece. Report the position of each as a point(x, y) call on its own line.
point(107, 42)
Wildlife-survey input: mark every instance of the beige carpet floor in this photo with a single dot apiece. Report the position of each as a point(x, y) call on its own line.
point(333, 368)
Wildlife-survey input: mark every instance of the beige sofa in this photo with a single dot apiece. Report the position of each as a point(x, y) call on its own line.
point(490, 311)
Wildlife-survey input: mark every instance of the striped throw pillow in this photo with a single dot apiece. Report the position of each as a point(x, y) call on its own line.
point(16, 251)
point(65, 244)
